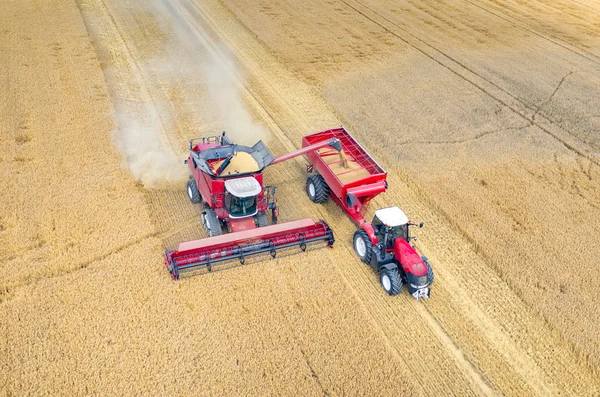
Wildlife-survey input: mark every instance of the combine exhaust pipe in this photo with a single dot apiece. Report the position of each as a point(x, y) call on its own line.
point(214, 251)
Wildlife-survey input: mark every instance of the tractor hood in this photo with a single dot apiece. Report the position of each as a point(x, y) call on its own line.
point(409, 258)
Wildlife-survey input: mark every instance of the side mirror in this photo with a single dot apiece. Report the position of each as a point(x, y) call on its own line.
point(273, 189)
point(421, 224)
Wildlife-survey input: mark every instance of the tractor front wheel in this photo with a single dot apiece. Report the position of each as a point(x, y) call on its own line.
point(390, 281)
point(212, 223)
point(317, 188)
point(430, 275)
point(261, 219)
point(363, 246)
point(192, 191)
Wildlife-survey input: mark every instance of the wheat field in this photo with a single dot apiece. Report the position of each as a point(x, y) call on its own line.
point(484, 115)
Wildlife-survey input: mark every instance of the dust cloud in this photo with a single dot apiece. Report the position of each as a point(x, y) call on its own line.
point(226, 102)
point(151, 162)
point(185, 57)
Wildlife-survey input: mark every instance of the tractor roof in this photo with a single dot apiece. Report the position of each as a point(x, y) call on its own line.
point(243, 187)
point(392, 216)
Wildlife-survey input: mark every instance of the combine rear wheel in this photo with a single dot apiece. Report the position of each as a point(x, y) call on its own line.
point(261, 219)
point(390, 281)
point(317, 189)
point(211, 223)
point(192, 191)
point(363, 246)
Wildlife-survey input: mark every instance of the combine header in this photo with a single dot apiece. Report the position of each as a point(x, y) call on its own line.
point(227, 179)
point(352, 178)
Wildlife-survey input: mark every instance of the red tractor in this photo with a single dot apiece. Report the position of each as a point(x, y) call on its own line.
point(352, 178)
point(227, 179)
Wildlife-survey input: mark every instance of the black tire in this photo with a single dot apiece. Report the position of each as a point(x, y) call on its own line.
point(429, 269)
point(430, 274)
point(390, 281)
point(192, 191)
point(317, 189)
point(261, 219)
point(363, 246)
point(211, 223)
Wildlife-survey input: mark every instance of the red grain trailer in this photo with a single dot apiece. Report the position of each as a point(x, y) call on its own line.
point(350, 176)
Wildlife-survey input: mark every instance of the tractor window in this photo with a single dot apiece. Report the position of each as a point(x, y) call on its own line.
point(240, 206)
point(399, 231)
point(379, 228)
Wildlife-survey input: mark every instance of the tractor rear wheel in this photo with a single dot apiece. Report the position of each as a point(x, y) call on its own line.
point(317, 188)
point(192, 191)
point(390, 281)
point(211, 223)
point(363, 246)
point(261, 219)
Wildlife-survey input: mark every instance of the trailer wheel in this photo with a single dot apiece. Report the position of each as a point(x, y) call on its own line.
point(390, 281)
point(261, 219)
point(211, 223)
point(317, 189)
point(363, 246)
point(192, 191)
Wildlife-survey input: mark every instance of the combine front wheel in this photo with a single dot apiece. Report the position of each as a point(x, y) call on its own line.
point(390, 281)
point(363, 246)
point(317, 189)
point(261, 219)
point(192, 191)
point(211, 223)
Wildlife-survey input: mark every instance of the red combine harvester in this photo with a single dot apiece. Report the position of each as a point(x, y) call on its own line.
point(353, 178)
point(227, 179)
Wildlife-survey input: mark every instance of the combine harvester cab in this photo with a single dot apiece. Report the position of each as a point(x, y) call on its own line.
point(352, 178)
point(227, 179)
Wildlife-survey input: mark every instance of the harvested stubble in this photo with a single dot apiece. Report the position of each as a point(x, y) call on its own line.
point(429, 134)
point(499, 139)
point(65, 202)
point(317, 323)
point(270, 328)
point(91, 309)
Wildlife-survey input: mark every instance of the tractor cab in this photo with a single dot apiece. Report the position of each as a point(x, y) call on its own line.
point(389, 224)
point(241, 197)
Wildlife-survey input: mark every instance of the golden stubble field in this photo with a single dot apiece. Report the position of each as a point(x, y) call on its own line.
point(482, 113)
point(488, 111)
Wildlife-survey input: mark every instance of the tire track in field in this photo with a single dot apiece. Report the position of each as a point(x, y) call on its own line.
point(165, 205)
point(454, 351)
point(104, 27)
point(554, 40)
point(451, 368)
point(355, 275)
point(7, 292)
point(131, 89)
point(191, 14)
point(491, 89)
